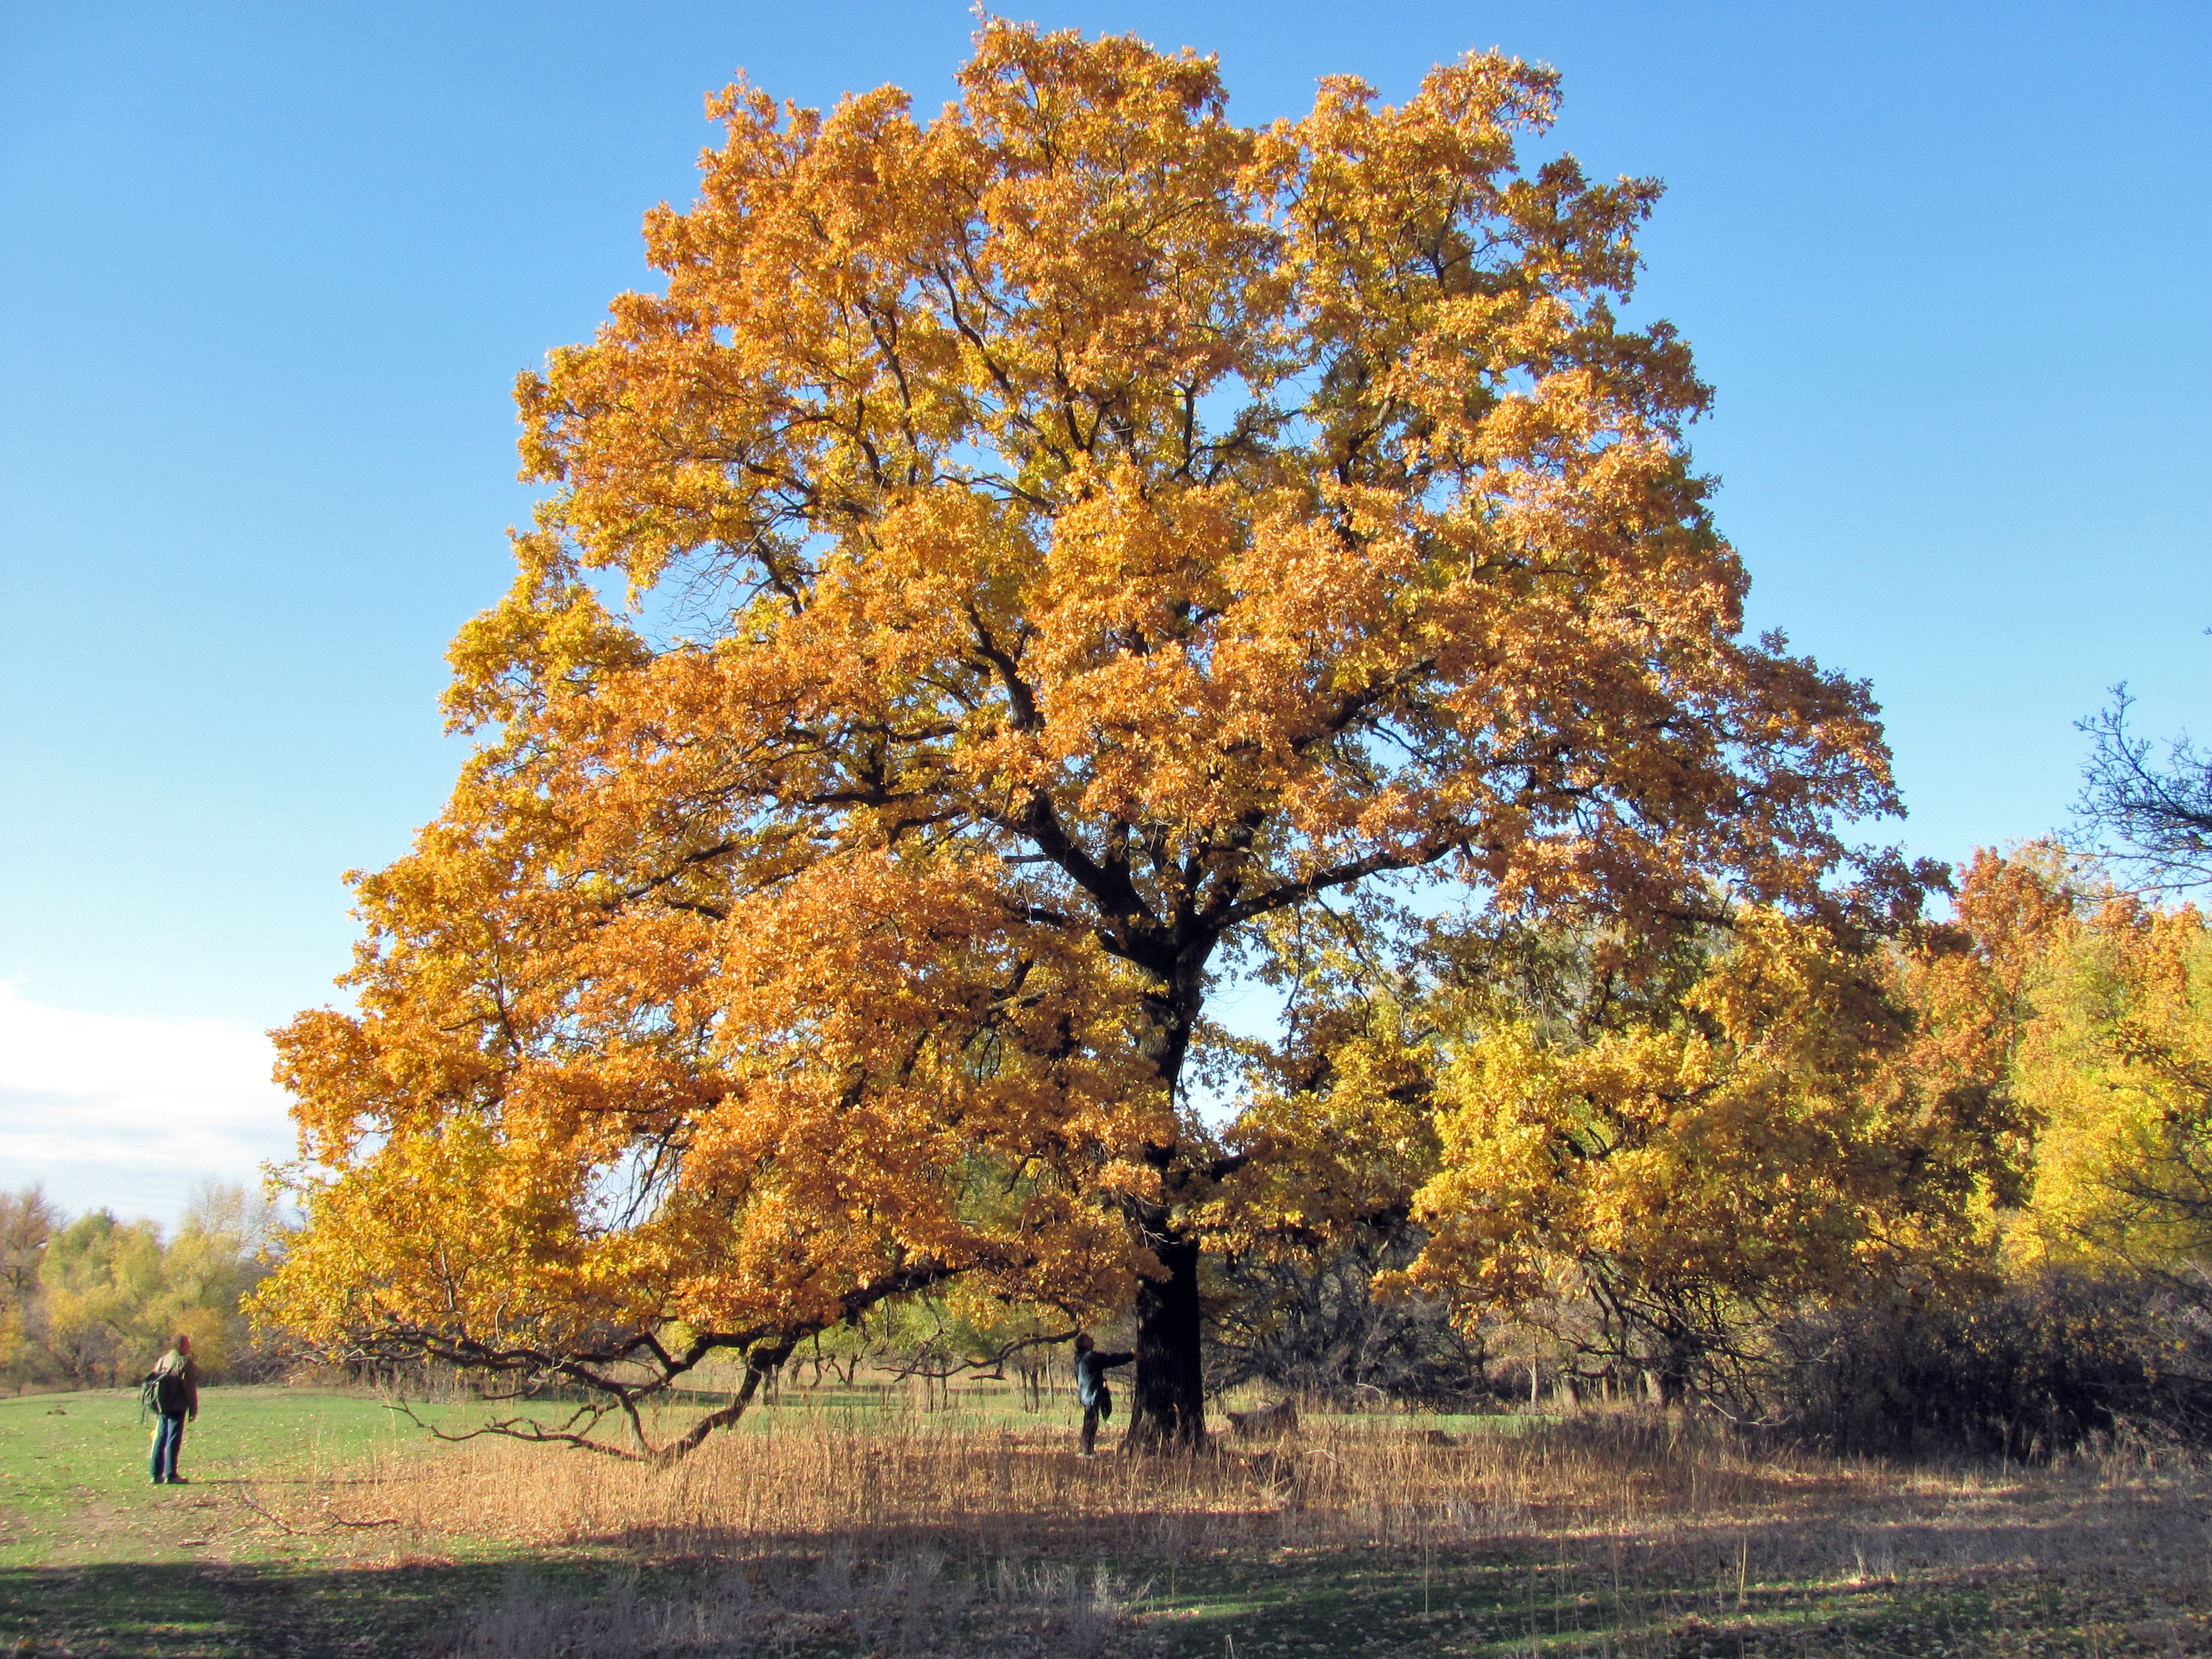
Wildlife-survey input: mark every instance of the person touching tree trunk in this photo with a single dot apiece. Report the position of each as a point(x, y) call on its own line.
point(1091, 1365)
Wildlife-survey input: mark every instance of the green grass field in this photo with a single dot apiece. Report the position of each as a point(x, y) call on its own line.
point(276, 1547)
point(95, 1559)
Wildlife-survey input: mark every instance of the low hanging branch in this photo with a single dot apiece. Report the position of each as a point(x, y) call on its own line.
point(544, 1373)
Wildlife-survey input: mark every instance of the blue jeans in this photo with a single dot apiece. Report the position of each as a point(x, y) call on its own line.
point(169, 1440)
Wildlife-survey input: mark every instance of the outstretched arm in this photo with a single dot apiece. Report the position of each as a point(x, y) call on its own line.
point(1107, 1361)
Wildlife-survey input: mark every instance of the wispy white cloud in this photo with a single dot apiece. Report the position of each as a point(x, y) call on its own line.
point(132, 1113)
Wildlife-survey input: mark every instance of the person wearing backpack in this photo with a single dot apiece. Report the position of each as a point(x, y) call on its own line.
point(172, 1389)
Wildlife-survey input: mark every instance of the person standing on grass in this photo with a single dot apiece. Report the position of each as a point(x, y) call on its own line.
point(174, 1386)
point(1090, 1369)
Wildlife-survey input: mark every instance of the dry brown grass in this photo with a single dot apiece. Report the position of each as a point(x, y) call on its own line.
point(1606, 1534)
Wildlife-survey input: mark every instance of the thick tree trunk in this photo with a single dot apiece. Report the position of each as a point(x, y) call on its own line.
point(1168, 1405)
point(1168, 1409)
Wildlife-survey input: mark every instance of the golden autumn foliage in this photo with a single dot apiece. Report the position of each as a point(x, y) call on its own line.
point(2111, 1050)
point(1057, 537)
point(1804, 1122)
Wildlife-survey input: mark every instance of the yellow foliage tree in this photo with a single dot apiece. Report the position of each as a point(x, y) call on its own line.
point(98, 1299)
point(1806, 1121)
point(2112, 1052)
point(1058, 537)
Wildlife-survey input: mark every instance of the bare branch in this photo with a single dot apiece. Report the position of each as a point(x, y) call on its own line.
point(2156, 820)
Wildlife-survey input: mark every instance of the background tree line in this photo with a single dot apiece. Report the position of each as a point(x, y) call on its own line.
point(92, 1301)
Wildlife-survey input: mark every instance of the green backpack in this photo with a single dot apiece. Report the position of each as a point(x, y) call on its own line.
point(162, 1393)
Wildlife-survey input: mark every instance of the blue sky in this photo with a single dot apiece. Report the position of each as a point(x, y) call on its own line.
point(271, 269)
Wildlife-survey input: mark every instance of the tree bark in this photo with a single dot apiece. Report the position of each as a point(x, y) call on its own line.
point(1168, 1407)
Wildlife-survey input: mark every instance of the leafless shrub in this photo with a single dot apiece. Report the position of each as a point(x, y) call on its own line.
point(1314, 1327)
point(2055, 1363)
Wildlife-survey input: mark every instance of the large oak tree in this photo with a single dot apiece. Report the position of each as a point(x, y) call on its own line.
point(1058, 538)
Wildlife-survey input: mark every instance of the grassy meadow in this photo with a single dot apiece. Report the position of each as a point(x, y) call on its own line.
point(851, 1522)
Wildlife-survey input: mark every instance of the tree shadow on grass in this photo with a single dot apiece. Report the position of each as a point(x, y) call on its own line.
point(803, 1601)
point(1830, 1576)
point(189, 1610)
point(820, 1602)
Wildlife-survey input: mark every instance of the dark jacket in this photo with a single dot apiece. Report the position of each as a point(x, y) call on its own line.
point(174, 1362)
point(1090, 1369)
